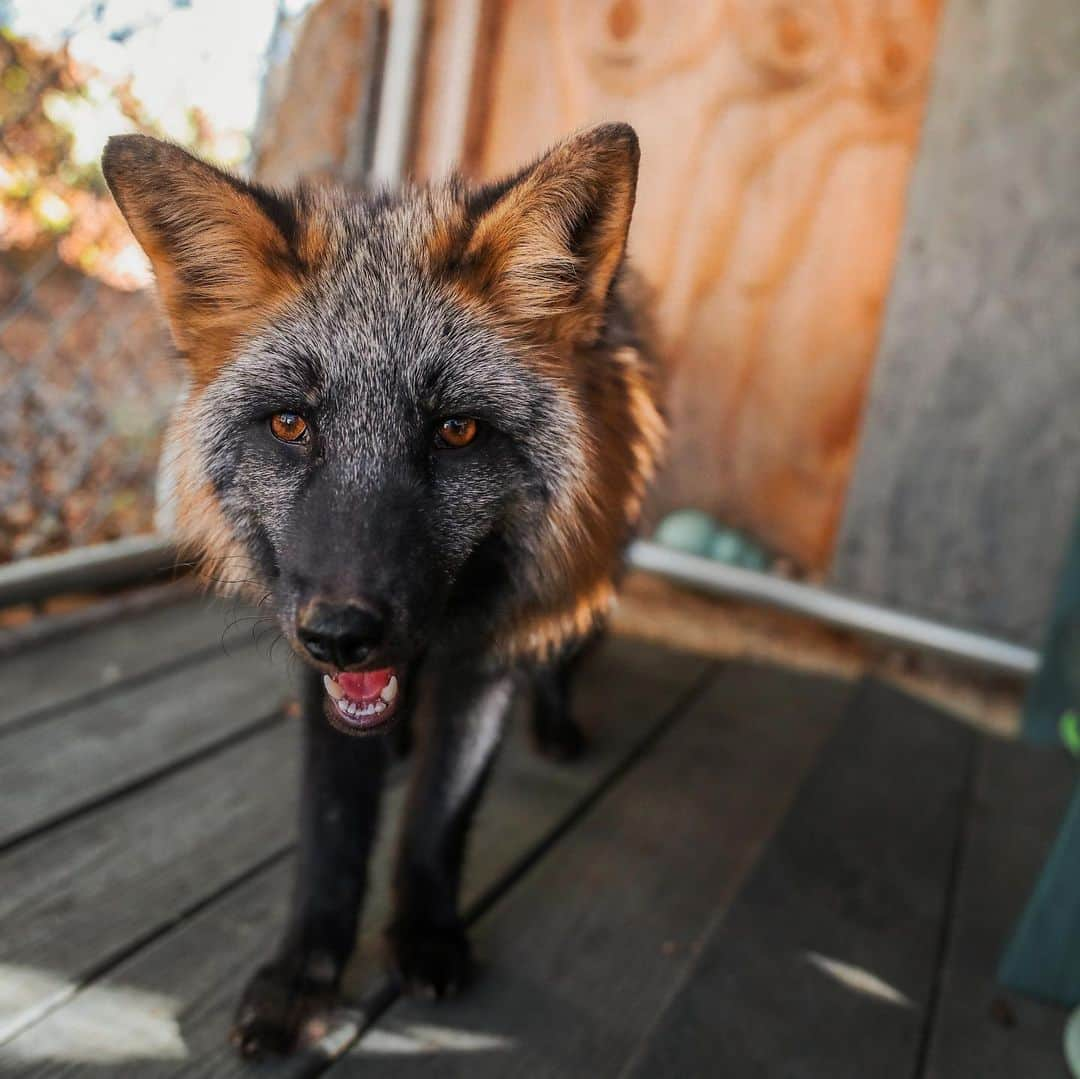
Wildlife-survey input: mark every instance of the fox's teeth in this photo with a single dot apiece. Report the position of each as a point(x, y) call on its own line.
point(389, 691)
point(354, 709)
point(332, 688)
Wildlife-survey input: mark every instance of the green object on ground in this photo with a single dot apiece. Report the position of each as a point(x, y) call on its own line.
point(754, 557)
point(697, 533)
point(1072, 1043)
point(686, 530)
point(737, 549)
point(1069, 728)
point(1056, 688)
point(726, 546)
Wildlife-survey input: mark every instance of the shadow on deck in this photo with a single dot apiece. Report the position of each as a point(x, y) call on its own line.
point(753, 873)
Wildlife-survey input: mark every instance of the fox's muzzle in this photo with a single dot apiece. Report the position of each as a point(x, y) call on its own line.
point(360, 586)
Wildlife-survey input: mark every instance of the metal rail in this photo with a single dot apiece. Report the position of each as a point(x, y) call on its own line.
point(86, 569)
point(836, 610)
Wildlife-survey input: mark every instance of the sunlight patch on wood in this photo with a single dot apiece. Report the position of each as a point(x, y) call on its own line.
point(415, 1038)
point(102, 1024)
point(858, 979)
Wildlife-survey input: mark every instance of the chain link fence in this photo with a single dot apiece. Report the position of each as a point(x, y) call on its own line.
point(86, 379)
point(87, 371)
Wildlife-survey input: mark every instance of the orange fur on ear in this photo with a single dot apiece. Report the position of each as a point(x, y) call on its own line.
point(545, 245)
point(225, 252)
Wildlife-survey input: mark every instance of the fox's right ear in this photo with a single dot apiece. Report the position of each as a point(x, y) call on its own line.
point(225, 252)
point(546, 244)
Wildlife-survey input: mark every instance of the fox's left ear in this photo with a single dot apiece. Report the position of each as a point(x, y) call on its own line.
point(544, 245)
point(224, 252)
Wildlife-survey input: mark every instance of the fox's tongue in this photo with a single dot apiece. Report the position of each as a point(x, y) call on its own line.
point(366, 685)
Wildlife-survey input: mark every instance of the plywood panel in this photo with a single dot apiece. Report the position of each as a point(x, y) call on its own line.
point(777, 139)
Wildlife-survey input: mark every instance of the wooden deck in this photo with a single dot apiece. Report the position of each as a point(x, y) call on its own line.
point(753, 873)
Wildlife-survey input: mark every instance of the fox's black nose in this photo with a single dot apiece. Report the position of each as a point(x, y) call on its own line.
point(341, 634)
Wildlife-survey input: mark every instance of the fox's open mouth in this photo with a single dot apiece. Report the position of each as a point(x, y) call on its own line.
point(363, 701)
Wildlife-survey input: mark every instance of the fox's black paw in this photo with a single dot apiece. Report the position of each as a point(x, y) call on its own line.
point(430, 961)
point(283, 1007)
point(560, 741)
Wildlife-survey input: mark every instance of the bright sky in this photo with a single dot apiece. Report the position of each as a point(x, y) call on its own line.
point(180, 53)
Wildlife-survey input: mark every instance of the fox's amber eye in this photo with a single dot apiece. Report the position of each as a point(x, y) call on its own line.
point(289, 427)
point(457, 431)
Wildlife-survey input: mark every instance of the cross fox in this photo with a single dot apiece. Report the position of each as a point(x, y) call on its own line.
point(418, 425)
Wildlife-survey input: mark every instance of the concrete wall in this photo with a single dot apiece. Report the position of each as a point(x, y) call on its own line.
point(969, 466)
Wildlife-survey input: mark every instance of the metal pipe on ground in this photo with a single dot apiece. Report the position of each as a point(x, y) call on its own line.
point(843, 612)
point(86, 569)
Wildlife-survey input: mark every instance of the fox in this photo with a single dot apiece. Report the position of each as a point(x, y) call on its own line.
point(420, 425)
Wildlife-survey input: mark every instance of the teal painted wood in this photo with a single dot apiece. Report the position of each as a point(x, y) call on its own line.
point(979, 1030)
point(1055, 691)
point(1043, 959)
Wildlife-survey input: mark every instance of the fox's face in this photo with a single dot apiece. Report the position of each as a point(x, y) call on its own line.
point(409, 418)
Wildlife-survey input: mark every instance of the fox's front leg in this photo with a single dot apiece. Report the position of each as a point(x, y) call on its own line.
point(459, 733)
point(287, 998)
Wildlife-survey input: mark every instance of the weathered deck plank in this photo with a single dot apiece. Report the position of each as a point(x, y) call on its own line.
point(824, 966)
point(82, 895)
point(591, 943)
point(980, 1029)
point(172, 999)
point(86, 752)
point(529, 798)
point(59, 673)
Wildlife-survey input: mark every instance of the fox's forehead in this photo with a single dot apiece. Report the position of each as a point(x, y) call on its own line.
point(376, 333)
point(384, 234)
point(375, 297)
point(381, 320)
